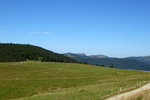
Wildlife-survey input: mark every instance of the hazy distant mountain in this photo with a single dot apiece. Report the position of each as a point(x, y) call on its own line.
point(80, 56)
point(145, 59)
point(124, 63)
point(76, 56)
point(98, 56)
point(84, 55)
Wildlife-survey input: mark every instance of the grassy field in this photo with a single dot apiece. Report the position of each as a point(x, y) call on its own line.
point(65, 81)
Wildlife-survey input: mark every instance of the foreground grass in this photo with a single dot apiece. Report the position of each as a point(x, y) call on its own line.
point(65, 81)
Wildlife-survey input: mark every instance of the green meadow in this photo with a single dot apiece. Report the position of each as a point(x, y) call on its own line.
point(65, 81)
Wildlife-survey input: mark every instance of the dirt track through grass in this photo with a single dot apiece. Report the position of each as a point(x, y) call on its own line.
point(128, 95)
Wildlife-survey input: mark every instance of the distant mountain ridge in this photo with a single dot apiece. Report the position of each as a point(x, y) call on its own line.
point(123, 63)
point(98, 56)
point(84, 55)
point(145, 59)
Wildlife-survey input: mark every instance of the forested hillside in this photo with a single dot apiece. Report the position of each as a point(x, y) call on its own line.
point(21, 52)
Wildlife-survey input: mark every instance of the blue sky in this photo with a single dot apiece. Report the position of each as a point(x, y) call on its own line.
point(117, 28)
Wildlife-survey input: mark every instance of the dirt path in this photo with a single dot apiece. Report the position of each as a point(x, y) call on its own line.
point(130, 93)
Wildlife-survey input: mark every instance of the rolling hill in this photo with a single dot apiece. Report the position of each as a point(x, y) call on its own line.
point(65, 81)
point(123, 63)
point(23, 52)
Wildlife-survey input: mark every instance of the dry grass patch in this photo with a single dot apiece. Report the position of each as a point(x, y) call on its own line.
point(143, 95)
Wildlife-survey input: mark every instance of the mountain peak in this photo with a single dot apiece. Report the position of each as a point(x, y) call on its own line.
point(84, 55)
point(81, 54)
point(98, 56)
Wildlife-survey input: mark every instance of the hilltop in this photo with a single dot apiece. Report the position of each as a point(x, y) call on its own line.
point(22, 52)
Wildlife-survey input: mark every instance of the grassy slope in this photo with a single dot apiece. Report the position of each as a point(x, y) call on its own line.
point(64, 81)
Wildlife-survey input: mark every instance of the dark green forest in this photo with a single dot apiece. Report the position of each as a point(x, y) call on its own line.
point(22, 52)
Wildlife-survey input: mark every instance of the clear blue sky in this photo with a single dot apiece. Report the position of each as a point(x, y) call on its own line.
point(117, 28)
